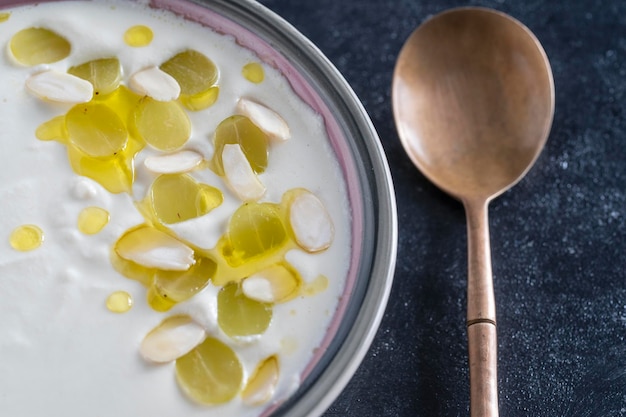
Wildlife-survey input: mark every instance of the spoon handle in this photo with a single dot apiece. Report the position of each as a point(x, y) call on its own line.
point(481, 314)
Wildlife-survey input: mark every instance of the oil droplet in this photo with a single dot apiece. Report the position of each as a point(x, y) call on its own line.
point(138, 36)
point(253, 72)
point(201, 100)
point(119, 302)
point(316, 286)
point(26, 237)
point(92, 219)
point(53, 129)
point(4, 17)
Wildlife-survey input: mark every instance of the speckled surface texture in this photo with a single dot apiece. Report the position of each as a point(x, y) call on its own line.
point(558, 237)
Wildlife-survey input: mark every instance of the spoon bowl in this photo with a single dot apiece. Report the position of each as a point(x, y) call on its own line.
point(473, 101)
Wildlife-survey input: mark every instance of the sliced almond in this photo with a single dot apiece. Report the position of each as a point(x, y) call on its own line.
point(239, 174)
point(258, 288)
point(174, 337)
point(265, 119)
point(173, 163)
point(60, 87)
point(152, 248)
point(277, 283)
point(262, 383)
point(311, 223)
point(153, 82)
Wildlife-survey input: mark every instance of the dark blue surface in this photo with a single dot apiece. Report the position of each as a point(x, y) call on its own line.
point(558, 238)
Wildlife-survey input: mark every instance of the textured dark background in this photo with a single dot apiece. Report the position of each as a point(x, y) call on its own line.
point(558, 237)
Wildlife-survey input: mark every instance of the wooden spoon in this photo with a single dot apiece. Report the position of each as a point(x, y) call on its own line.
point(473, 100)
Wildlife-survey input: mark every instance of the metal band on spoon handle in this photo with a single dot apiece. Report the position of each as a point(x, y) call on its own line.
point(481, 314)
